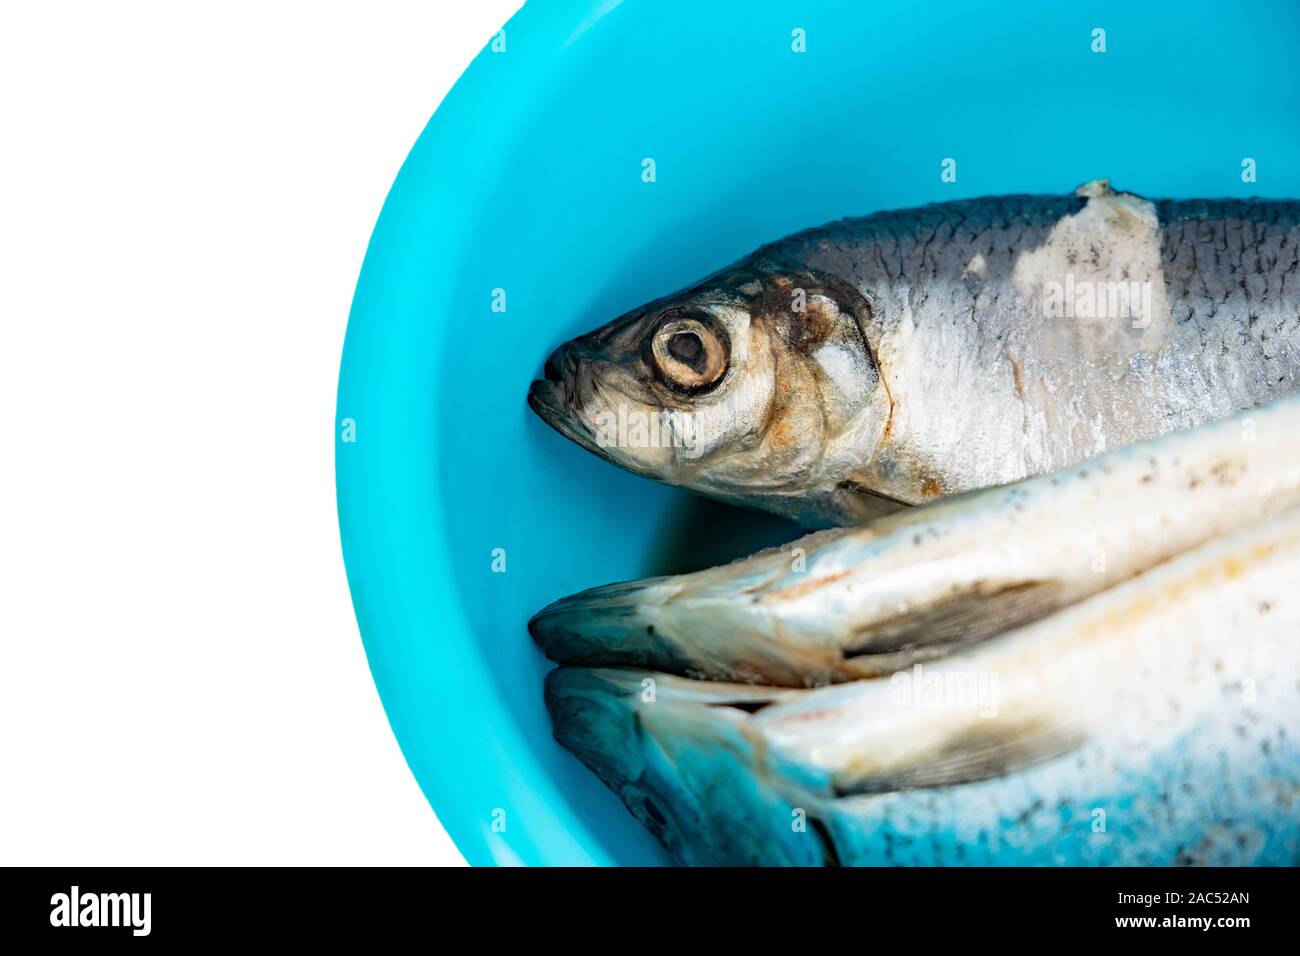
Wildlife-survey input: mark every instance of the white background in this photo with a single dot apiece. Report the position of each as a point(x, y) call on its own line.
point(186, 193)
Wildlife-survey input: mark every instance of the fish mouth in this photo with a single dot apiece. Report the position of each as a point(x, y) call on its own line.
point(554, 398)
point(549, 400)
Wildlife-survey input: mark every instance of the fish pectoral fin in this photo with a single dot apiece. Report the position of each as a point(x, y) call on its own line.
point(975, 613)
point(865, 504)
point(983, 751)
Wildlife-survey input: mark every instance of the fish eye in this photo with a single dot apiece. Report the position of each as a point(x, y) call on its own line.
point(688, 352)
point(686, 347)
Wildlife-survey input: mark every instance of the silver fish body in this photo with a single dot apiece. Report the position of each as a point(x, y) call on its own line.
point(850, 603)
point(878, 362)
point(1150, 724)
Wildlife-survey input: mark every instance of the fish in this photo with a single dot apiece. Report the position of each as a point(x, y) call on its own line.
point(1149, 724)
point(851, 603)
point(858, 368)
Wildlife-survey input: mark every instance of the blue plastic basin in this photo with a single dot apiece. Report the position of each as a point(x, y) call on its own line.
point(529, 179)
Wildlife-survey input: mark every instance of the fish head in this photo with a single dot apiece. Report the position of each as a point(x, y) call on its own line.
point(747, 387)
point(677, 754)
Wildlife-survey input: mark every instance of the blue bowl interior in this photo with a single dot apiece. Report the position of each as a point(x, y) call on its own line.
point(529, 180)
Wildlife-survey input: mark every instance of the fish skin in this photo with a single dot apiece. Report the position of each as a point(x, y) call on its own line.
point(1151, 724)
point(926, 360)
point(913, 586)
